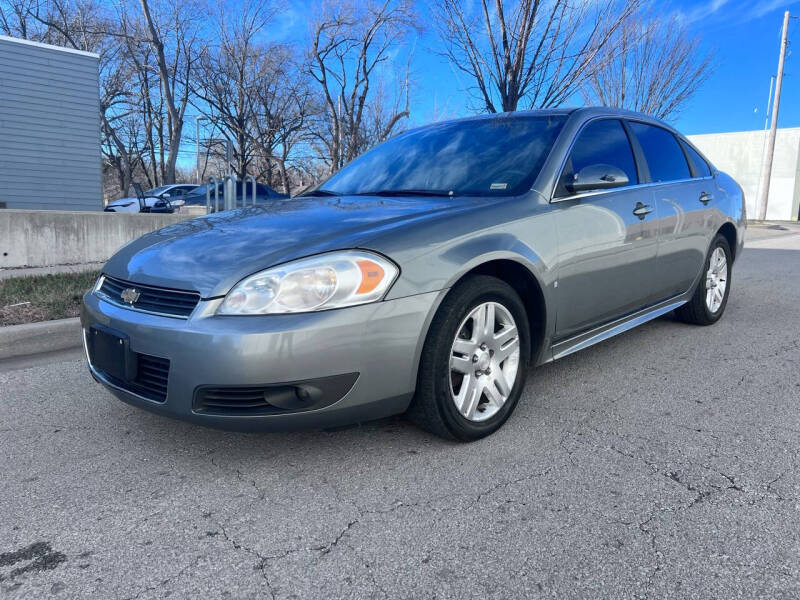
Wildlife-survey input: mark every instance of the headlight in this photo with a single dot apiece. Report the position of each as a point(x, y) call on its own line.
point(321, 282)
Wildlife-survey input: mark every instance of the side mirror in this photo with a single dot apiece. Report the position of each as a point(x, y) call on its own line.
point(166, 195)
point(597, 177)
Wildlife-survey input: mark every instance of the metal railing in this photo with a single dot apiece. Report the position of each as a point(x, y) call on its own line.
point(209, 182)
point(252, 180)
point(230, 193)
point(229, 185)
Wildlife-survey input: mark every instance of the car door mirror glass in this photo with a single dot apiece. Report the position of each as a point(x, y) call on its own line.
point(596, 177)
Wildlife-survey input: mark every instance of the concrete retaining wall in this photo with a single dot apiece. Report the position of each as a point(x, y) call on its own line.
point(37, 238)
point(740, 155)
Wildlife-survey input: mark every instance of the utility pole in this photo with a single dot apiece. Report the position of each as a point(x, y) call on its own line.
point(198, 118)
point(766, 167)
point(769, 104)
point(766, 129)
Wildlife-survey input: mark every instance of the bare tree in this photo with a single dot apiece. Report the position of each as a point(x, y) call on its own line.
point(656, 67)
point(286, 106)
point(164, 47)
point(231, 77)
point(348, 50)
point(17, 20)
point(530, 52)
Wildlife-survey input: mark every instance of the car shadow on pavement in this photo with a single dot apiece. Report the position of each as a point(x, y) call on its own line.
point(164, 433)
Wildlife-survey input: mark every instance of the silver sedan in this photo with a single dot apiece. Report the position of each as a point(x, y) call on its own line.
point(427, 277)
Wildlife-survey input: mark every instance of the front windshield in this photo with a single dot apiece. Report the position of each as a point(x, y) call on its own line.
point(482, 157)
point(157, 191)
point(201, 191)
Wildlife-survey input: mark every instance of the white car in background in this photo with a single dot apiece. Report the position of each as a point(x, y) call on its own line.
point(173, 192)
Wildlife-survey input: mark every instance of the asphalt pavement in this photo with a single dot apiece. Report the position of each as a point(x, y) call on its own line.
point(663, 463)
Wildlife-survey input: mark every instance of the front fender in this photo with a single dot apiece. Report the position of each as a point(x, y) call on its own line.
point(458, 260)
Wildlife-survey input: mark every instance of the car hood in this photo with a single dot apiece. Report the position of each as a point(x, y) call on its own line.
point(210, 254)
point(122, 201)
point(147, 199)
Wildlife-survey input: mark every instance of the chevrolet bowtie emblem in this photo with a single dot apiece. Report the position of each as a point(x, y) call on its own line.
point(130, 295)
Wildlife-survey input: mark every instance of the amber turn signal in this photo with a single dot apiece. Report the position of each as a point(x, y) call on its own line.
point(371, 276)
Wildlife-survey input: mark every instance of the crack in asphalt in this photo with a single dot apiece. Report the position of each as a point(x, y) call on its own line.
point(327, 547)
point(370, 571)
point(261, 494)
point(505, 484)
point(168, 580)
point(262, 560)
point(700, 495)
point(660, 563)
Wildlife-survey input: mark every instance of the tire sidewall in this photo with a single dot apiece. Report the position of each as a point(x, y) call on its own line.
point(461, 427)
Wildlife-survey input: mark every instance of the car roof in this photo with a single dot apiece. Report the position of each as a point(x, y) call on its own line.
point(582, 113)
point(589, 112)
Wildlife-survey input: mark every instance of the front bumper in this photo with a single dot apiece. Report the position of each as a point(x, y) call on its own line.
point(380, 342)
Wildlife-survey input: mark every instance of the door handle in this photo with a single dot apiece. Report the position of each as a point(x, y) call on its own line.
point(706, 198)
point(642, 210)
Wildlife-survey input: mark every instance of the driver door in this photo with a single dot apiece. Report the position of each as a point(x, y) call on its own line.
point(607, 239)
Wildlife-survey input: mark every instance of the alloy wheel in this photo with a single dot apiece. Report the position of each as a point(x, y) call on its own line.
point(716, 279)
point(484, 360)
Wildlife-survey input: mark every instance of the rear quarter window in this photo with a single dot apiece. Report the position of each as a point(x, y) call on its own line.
point(700, 167)
point(663, 153)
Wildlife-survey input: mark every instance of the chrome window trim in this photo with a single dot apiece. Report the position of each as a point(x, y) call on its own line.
point(563, 164)
point(569, 151)
point(628, 187)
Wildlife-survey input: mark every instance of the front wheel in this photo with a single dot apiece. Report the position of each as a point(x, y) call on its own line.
point(711, 296)
point(474, 362)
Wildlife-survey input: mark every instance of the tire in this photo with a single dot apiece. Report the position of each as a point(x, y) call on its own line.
point(445, 366)
point(700, 310)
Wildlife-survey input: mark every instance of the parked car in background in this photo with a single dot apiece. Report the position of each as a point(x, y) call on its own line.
point(264, 194)
point(174, 193)
point(428, 275)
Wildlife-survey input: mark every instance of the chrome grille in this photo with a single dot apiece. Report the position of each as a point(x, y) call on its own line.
point(149, 299)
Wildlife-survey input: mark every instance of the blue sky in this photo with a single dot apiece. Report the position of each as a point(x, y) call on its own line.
point(745, 35)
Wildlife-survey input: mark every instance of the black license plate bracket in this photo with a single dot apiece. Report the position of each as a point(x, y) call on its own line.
point(109, 352)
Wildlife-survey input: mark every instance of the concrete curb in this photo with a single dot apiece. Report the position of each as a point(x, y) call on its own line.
point(36, 338)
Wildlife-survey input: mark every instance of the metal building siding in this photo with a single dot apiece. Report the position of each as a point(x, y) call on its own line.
point(49, 128)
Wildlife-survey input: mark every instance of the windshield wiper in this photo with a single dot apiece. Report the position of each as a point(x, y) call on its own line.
point(318, 193)
point(407, 192)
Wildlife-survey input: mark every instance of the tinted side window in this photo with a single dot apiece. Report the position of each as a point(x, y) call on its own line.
point(600, 143)
point(700, 167)
point(662, 152)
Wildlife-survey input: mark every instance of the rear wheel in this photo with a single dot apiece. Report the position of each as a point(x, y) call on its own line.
point(474, 361)
point(711, 296)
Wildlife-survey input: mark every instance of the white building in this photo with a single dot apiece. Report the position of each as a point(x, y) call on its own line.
point(49, 127)
point(740, 154)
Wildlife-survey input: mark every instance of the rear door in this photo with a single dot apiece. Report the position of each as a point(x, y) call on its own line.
point(607, 240)
point(683, 194)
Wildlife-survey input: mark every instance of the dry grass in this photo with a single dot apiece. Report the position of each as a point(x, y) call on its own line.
point(43, 297)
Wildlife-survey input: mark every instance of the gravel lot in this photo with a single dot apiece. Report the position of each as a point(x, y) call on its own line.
point(660, 464)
